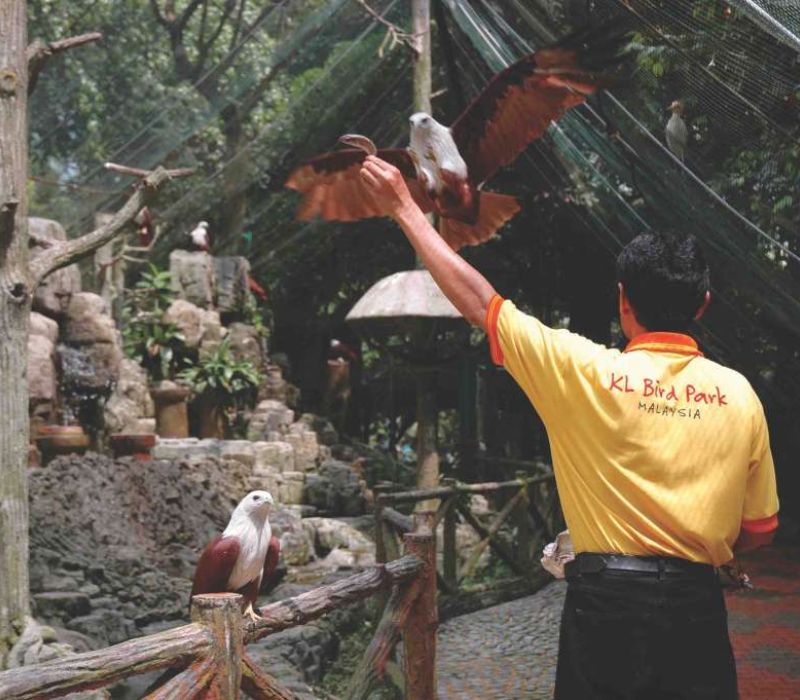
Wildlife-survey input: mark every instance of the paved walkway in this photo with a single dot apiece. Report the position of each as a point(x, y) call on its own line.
point(508, 652)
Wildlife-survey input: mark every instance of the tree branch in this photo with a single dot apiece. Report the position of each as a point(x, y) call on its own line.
point(139, 172)
point(228, 60)
point(251, 98)
point(186, 15)
point(39, 53)
point(237, 26)
point(157, 12)
point(204, 47)
point(394, 34)
point(65, 253)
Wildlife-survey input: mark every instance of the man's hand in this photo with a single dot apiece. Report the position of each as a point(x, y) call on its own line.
point(466, 288)
point(387, 186)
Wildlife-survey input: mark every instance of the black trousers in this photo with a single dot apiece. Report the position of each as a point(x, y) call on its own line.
point(641, 636)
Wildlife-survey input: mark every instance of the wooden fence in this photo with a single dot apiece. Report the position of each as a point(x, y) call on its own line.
point(208, 657)
point(530, 509)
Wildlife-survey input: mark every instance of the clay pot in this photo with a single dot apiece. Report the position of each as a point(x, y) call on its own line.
point(54, 440)
point(172, 420)
point(133, 445)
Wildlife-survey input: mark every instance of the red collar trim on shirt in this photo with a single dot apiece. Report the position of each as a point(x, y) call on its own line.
point(665, 342)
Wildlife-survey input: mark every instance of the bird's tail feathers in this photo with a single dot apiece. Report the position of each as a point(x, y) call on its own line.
point(494, 211)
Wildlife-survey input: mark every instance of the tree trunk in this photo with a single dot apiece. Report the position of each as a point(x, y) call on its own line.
point(15, 302)
point(234, 207)
point(421, 29)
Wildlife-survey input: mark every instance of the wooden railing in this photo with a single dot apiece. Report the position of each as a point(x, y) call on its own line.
point(531, 510)
point(208, 657)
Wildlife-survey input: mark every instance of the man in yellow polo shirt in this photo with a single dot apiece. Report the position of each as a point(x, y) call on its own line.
point(661, 458)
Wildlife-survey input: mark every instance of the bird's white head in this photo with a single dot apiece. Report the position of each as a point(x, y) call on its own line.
point(676, 107)
point(422, 121)
point(256, 505)
point(203, 224)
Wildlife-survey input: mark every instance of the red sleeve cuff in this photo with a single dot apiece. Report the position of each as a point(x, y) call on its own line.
point(492, 314)
point(763, 525)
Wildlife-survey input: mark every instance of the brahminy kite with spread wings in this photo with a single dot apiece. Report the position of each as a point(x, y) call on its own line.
point(446, 168)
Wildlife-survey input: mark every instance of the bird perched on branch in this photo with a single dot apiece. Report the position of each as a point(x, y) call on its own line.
point(145, 228)
point(676, 132)
point(243, 556)
point(446, 168)
point(200, 237)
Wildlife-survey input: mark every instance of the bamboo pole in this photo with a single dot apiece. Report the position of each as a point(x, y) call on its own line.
point(419, 635)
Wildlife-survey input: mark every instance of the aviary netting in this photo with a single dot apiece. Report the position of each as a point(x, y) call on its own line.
point(734, 66)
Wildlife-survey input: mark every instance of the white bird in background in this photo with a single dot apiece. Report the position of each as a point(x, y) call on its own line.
point(676, 132)
point(200, 237)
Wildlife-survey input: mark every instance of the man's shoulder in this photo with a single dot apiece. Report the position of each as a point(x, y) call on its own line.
point(734, 380)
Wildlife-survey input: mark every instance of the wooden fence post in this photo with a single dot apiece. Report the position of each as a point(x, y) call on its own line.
point(449, 563)
point(419, 635)
point(221, 614)
point(380, 543)
point(425, 521)
point(524, 530)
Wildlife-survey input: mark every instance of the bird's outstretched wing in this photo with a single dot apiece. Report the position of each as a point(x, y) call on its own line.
point(215, 566)
point(333, 189)
point(519, 103)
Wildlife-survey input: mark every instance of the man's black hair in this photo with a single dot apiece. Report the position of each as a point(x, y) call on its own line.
point(665, 277)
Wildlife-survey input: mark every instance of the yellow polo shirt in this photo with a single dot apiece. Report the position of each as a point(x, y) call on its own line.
point(656, 450)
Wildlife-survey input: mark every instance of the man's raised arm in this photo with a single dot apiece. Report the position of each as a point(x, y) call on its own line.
point(468, 290)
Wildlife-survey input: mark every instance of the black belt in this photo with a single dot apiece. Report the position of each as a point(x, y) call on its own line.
point(591, 563)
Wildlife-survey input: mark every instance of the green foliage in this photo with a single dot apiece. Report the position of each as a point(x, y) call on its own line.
point(233, 382)
point(158, 346)
point(254, 315)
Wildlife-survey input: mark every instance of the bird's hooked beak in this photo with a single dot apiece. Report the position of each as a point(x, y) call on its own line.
point(360, 142)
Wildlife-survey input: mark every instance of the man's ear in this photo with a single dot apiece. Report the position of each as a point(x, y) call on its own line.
point(624, 305)
point(703, 306)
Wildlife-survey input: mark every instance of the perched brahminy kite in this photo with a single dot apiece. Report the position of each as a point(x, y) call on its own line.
point(446, 168)
point(243, 556)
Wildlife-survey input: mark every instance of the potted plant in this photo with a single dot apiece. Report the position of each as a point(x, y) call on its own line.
point(222, 385)
point(159, 347)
